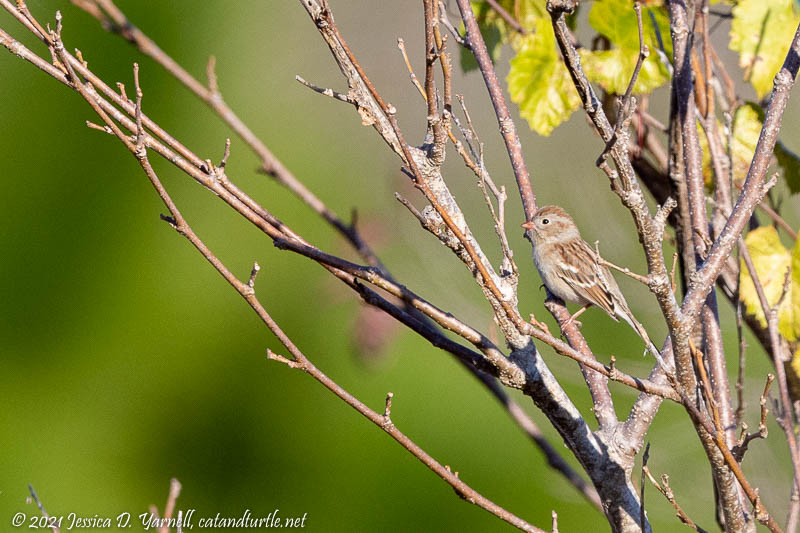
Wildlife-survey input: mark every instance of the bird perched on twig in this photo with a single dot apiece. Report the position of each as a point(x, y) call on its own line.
point(572, 270)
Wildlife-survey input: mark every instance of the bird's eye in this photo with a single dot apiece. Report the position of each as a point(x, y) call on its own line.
point(545, 221)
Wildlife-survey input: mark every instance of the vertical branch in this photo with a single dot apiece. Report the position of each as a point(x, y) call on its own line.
point(507, 129)
point(754, 187)
point(683, 91)
point(432, 54)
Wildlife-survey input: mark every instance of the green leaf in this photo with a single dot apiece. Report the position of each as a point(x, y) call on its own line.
point(761, 31)
point(612, 69)
point(771, 260)
point(790, 163)
point(539, 82)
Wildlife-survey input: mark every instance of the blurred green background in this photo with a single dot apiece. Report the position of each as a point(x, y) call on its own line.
point(127, 360)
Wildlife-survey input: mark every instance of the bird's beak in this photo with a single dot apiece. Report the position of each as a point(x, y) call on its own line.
point(528, 225)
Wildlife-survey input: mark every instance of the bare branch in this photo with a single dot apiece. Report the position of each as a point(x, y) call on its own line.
point(627, 104)
point(744, 439)
point(666, 490)
point(507, 128)
point(51, 524)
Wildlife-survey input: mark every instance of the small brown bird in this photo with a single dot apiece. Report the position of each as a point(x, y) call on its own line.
point(572, 270)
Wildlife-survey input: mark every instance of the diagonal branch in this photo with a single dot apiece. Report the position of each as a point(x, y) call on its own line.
point(215, 179)
point(115, 21)
point(299, 360)
point(598, 386)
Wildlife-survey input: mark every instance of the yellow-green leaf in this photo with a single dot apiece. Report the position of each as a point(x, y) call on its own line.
point(761, 31)
point(539, 82)
point(771, 260)
point(612, 69)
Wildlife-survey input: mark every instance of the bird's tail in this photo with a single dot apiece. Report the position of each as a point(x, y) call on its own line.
point(627, 316)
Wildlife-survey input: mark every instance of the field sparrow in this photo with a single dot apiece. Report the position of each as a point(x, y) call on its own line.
point(572, 270)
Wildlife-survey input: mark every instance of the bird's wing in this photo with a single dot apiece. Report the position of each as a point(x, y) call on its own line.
point(579, 268)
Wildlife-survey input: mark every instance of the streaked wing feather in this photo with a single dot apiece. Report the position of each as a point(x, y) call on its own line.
point(579, 269)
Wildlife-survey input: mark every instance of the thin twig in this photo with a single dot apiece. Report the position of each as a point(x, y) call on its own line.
point(745, 438)
point(507, 128)
point(627, 104)
point(299, 359)
point(779, 220)
point(401, 45)
point(666, 490)
point(222, 187)
point(169, 508)
point(113, 19)
point(625, 270)
point(505, 15)
point(51, 523)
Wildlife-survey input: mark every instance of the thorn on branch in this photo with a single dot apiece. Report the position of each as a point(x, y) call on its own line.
point(59, 26)
point(281, 359)
point(555, 521)
point(253, 273)
point(141, 151)
point(387, 412)
point(93, 126)
point(327, 92)
point(122, 93)
point(455, 489)
point(79, 55)
point(225, 154)
point(612, 368)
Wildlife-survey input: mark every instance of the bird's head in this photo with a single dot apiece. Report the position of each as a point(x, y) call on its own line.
point(551, 224)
